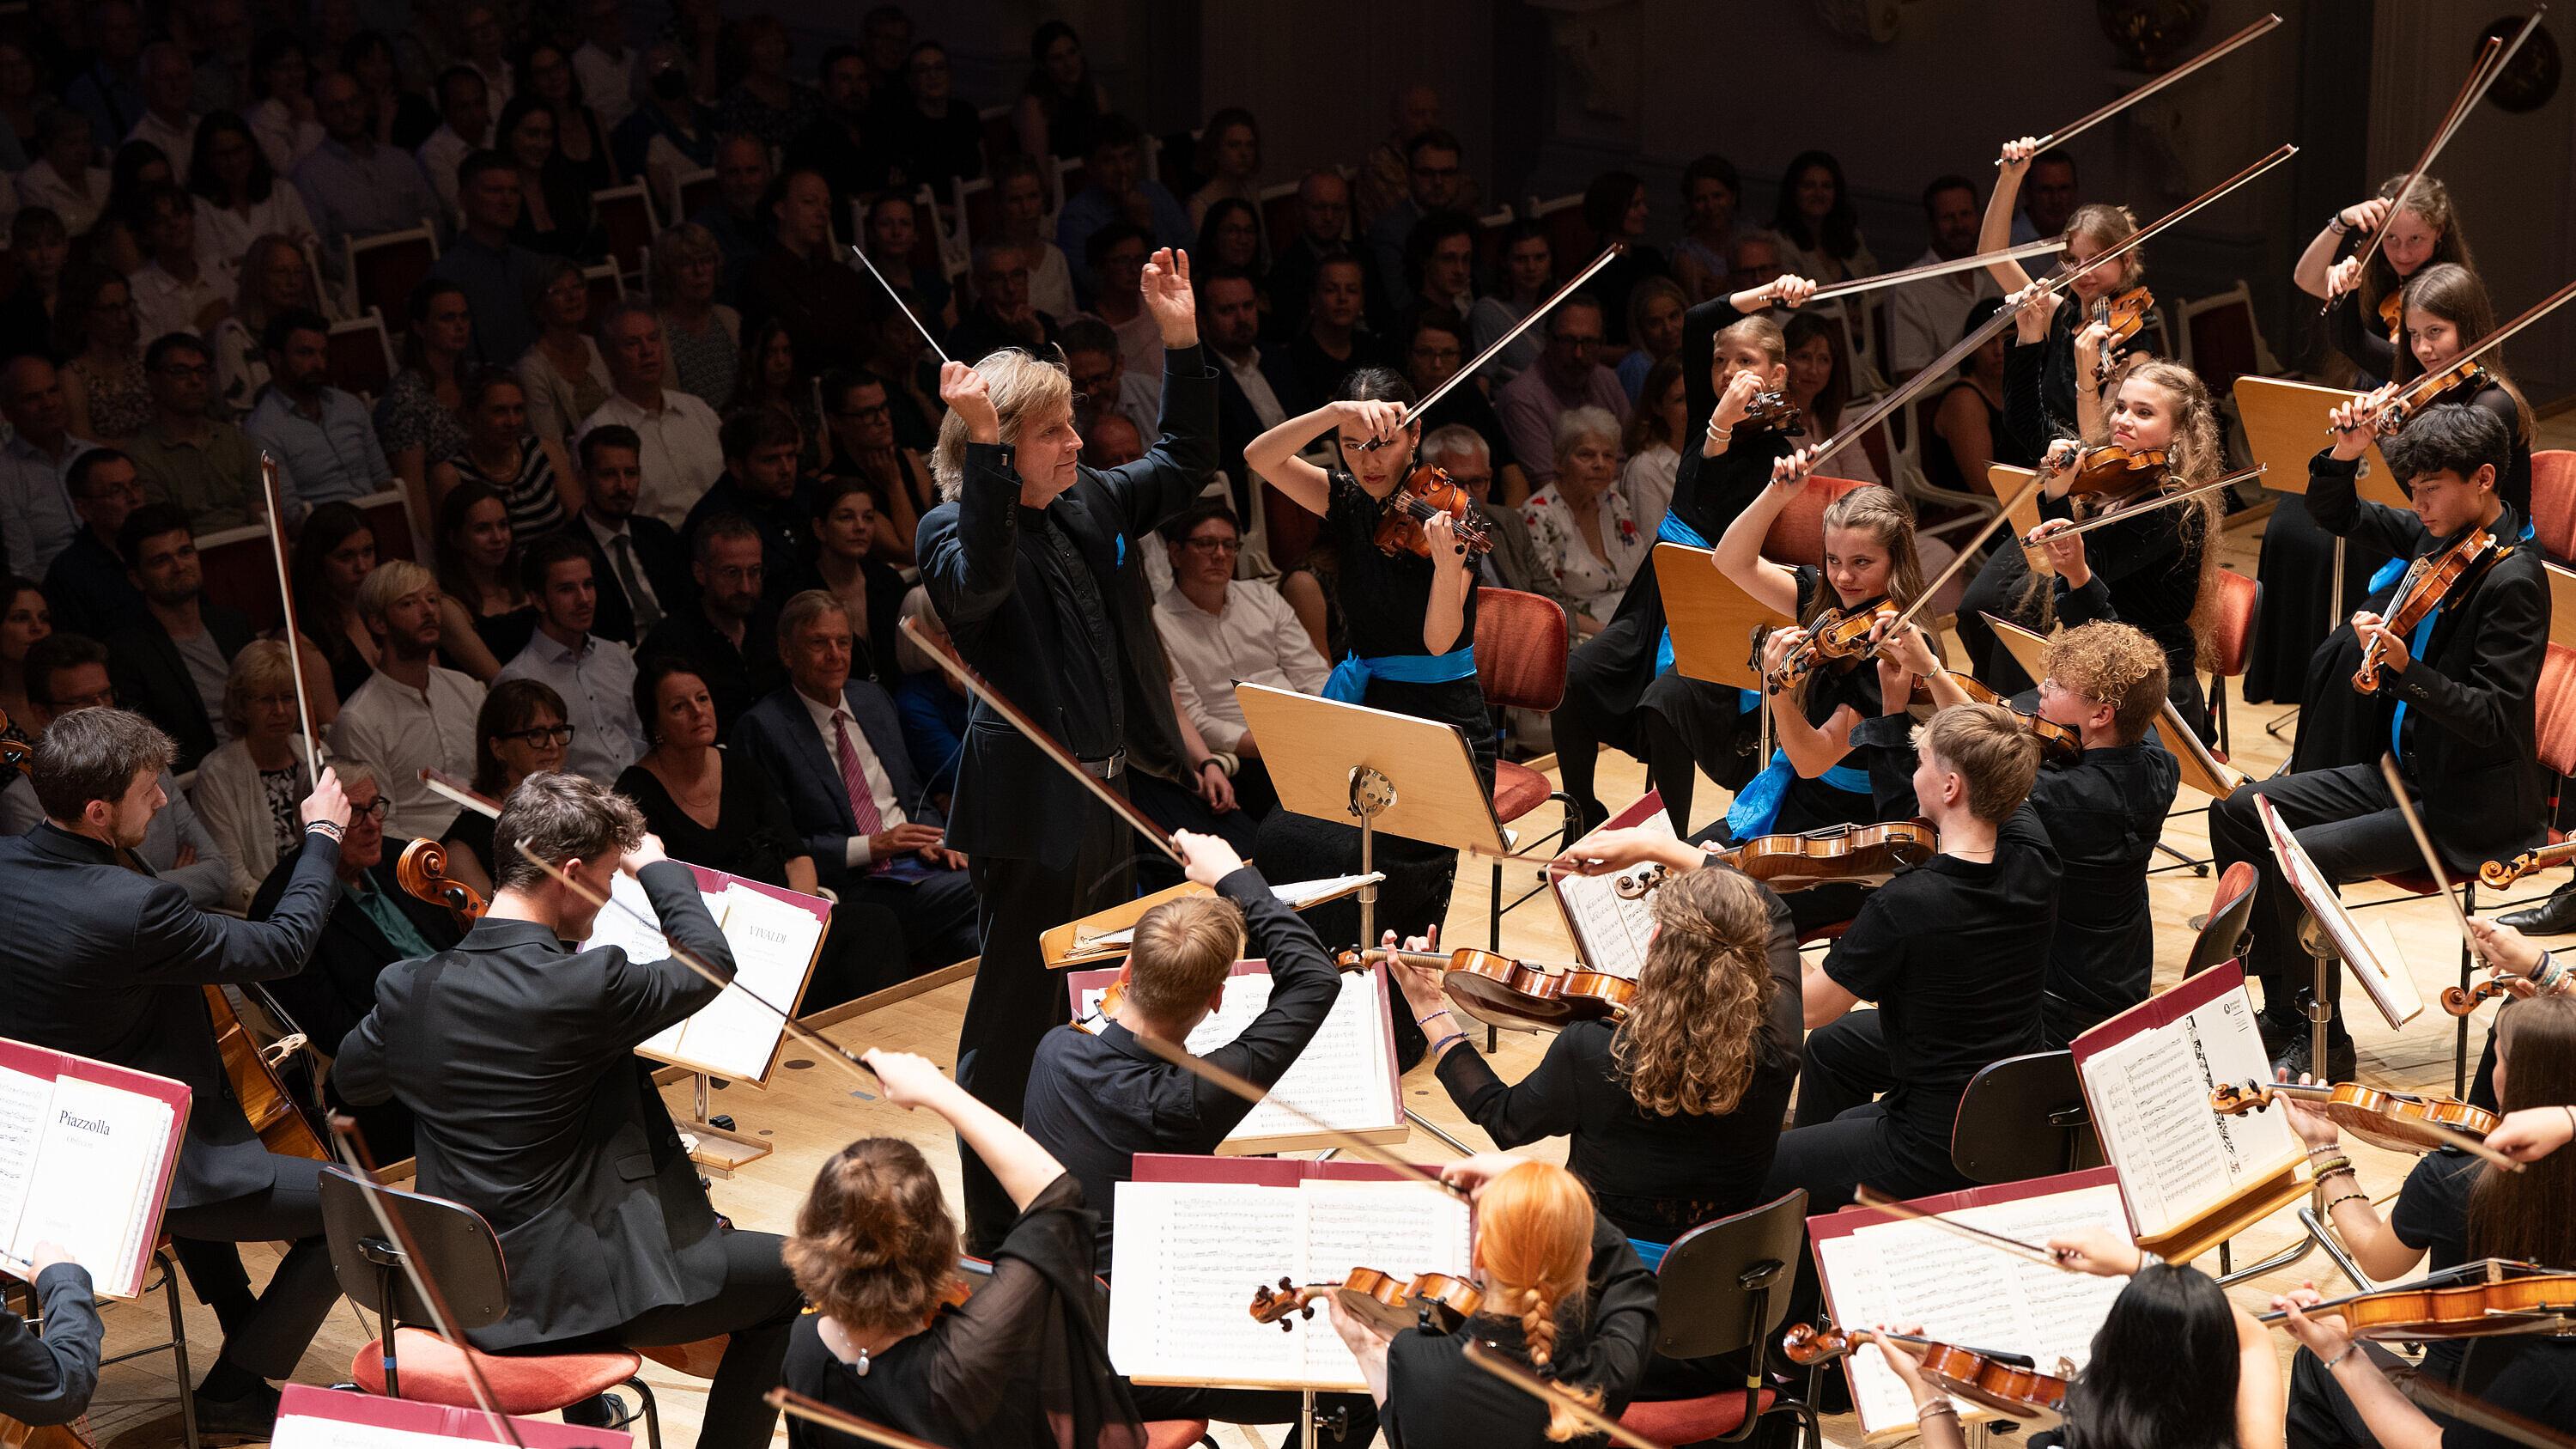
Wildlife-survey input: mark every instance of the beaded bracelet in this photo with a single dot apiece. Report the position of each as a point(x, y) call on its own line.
point(2316, 1152)
point(2336, 1361)
point(2329, 1167)
point(1426, 1020)
point(324, 827)
point(1444, 1041)
point(2347, 1197)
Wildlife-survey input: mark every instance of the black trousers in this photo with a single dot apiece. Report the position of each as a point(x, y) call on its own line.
point(937, 914)
point(2349, 825)
point(1016, 998)
point(1261, 1406)
point(1845, 1067)
point(758, 1306)
point(2321, 1415)
point(270, 1340)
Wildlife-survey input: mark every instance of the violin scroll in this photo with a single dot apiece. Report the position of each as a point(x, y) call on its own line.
point(1274, 1305)
point(2123, 315)
point(2234, 1099)
point(421, 871)
point(1638, 884)
point(1805, 1344)
point(2460, 1001)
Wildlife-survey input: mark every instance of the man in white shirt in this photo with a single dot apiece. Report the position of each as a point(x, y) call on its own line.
point(1927, 319)
point(175, 292)
point(1219, 631)
point(680, 450)
point(169, 83)
point(37, 519)
point(595, 676)
point(464, 102)
point(410, 715)
point(2047, 196)
point(605, 64)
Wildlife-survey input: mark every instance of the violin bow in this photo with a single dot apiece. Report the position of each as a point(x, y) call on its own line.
point(796, 1406)
point(286, 611)
point(1414, 413)
point(1211, 1072)
point(935, 349)
point(2493, 340)
point(2035, 538)
point(353, 1153)
point(2424, 845)
point(1485, 1356)
point(2441, 1398)
point(1986, 530)
point(1881, 1202)
point(460, 792)
point(1118, 804)
point(2088, 121)
point(1929, 270)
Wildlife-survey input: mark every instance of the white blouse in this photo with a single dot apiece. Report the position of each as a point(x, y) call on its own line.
point(1594, 584)
point(1647, 481)
point(224, 234)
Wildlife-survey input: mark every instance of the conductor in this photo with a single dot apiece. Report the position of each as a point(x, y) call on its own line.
point(107, 961)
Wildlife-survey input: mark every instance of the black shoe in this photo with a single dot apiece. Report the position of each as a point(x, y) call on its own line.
point(2294, 1059)
point(600, 1411)
point(2555, 916)
point(248, 1418)
point(2279, 1031)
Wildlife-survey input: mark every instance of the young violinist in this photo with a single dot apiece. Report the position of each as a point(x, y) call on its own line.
point(1565, 1297)
point(2454, 697)
point(2450, 1199)
point(1020, 1362)
point(1818, 775)
point(1673, 1110)
point(1620, 687)
point(2103, 809)
point(2091, 230)
point(2174, 1365)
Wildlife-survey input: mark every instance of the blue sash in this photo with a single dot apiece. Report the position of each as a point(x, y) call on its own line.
point(1650, 1254)
point(1757, 805)
point(1350, 678)
point(2414, 647)
point(1673, 530)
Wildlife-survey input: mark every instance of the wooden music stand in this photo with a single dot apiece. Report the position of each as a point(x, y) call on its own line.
point(1073, 943)
point(1713, 621)
point(2562, 604)
point(2285, 427)
point(2006, 481)
point(2201, 770)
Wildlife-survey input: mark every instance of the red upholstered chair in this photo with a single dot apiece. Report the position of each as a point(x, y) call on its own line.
point(626, 214)
point(1520, 663)
point(459, 1251)
point(2553, 502)
point(2240, 602)
point(383, 269)
point(1797, 535)
point(1723, 1287)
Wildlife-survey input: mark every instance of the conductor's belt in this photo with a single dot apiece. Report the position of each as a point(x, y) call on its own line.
point(1108, 769)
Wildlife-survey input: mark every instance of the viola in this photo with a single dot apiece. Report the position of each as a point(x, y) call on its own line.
point(2502, 873)
point(1433, 1302)
point(2063, 744)
point(2123, 313)
point(1502, 991)
point(2397, 1121)
point(1427, 492)
point(2429, 580)
point(1845, 854)
point(2502, 1297)
point(421, 871)
point(2007, 1383)
point(1836, 636)
point(1772, 412)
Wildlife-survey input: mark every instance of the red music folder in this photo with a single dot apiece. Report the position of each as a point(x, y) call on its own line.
point(87, 1150)
point(318, 1418)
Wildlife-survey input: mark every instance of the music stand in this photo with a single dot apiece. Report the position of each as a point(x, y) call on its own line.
point(2562, 604)
point(2006, 481)
point(2285, 428)
point(1717, 627)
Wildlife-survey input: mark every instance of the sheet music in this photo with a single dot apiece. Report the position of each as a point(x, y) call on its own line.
point(23, 1099)
point(1343, 1075)
point(1611, 932)
point(772, 941)
point(615, 927)
point(1398, 1228)
point(1968, 1294)
point(1185, 1261)
point(2390, 986)
point(99, 1158)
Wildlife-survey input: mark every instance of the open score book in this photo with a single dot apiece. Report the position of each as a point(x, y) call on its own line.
point(775, 935)
point(1611, 932)
point(86, 1153)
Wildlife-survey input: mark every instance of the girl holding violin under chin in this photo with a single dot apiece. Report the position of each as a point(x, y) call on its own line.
point(2175, 1365)
point(2060, 377)
point(1564, 1297)
point(2452, 1209)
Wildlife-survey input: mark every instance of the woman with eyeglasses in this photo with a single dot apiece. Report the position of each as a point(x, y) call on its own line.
point(701, 336)
point(523, 729)
point(564, 374)
point(248, 790)
point(861, 445)
point(105, 396)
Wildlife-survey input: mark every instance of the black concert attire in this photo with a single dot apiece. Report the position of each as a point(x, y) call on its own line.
point(2431, 1214)
point(1941, 467)
point(1021, 1362)
point(652, 551)
point(109, 962)
point(1435, 1399)
point(1955, 952)
point(1656, 1177)
point(1031, 598)
point(737, 676)
point(46, 1378)
point(515, 1052)
point(2460, 718)
point(1619, 688)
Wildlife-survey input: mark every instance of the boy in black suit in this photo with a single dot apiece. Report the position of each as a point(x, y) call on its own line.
point(2458, 688)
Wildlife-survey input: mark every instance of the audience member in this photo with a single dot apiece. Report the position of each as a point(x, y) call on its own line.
point(1061, 107)
point(862, 446)
point(1655, 433)
point(64, 179)
point(39, 248)
point(1820, 385)
point(324, 445)
point(931, 701)
point(680, 452)
point(1923, 320)
point(1529, 276)
point(529, 471)
point(104, 394)
point(2047, 196)
point(1567, 375)
point(767, 102)
point(907, 261)
point(1020, 200)
point(1513, 562)
point(281, 118)
point(555, 217)
point(1003, 314)
point(1331, 344)
point(397, 116)
point(1323, 230)
point(844, 144)
point(22, 95)
point(1116, 189)
point(411, 714)
point(739, 217)
point(759, 484)
point(641, 571)
point(356, 184)
point(1581, 524)
point(1968, 418)
point(465, 127)
point(1710, 191)
point(850, 565)
point(1255, 390)
point(702, 335)
point(334, 553)
point(726, 631)
point(1655, 309)
point(1756, 259)
point(1115, 259)
point(172, 660)
point(485, 613)
point(417, 421)
point(497, 274)
point(671, 132)
point(595, 676)
point(1432, 172)
point(66, 672)
point(833, 743)
point(247, 791)
point(108, 91)
point(1433, 355)
point(87, 582)
point(519, 731)
point(1230, 238)
point(1102, 384)
point(169, 119)
point(1440, 264)
point(25, 620)
point(37, 519)
point(1385, 177)
point(604, 65)
point(1220, 631)
point(486, 49)
point(886, 43)
point(1614, 207)
point(798, 280)
point(565, 378)
point(769, 379)
point(1112, 442)
point(174, 292)
point(1816, 216)
point(1229, 156)
point(238, 199)
point(581, 140)
point(939, 137)
point(218, 37)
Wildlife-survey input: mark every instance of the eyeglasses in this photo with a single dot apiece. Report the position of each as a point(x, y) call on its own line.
point(1216, 545)
point(881, 410)
point(376, 809)
point(542, 735)
point(104, 699)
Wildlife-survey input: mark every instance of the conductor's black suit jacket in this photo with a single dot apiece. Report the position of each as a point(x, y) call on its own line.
point(516, 1054)
point(109, 963)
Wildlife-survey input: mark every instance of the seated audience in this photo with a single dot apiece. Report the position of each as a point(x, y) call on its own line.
point(1432, 355)
point(1256, 389)
point(1654, 314)
point(581, 139)
point(846, 144)
point(485, 614)
point(759, 484)
point(1968, 419)
point(604, 67)
point(247, 791)
point(24, 622)
point(1923, 320)
point(39, 249)
point(88, 584)
point(703, 335)
point(1820, 386)
point(1230, 239)
point(1757, 258)
point(519, 731)
point(555, 215)
point(187, 458)
point(1103, 384)
point(1529, 278)
point(834, 745)
point(64, 178)
point(1384, 175)
point(1331, 346)
point(1614, 207)
point(172, 662)
point(895, 238)
point(679, 451)
point(639, 564)
point(1710, 190)
point(275, 277)
point(1816, 217)
point(930, 700)
point(859, 419)
point(725, 630)
point(411, 714)
point(1585, 532)
point(1004, 313)
point(1440, 264)
point(670, 132)
point(565, 377)
point(356, 184)
point(849, 564)
point(1116, 187)
point(465, 127)
point(767, 102)
point(1514, 561)
point(96, 335)
point(528, 470)
point(169, 119)
point(1114, 260)
point(326, 449)
point(1220, 631)
point(419, 419)
point(1020, 196)
point(1432, 176)
point(1061, 105)
point(1229, 156)
point(334, 553)
point(1655, 433)
point(739, 218)
point(939, 137)
point(1323, 230)
point(37, 521)
point(595, 677)
point(497, 273)
point(769, 379)
point(801, 280)
point(1567, 375)
point(177, 290)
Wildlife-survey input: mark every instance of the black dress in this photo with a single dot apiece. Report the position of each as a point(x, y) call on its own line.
point(1943, 469)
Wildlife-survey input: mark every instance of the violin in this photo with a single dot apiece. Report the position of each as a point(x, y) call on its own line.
point(2428, 581)
point(1836, 636)
point(2502, 873)
point(2461, 1000)
point(2123, 313)
point(1772, 412)
point(2007, 1383)
point(2063, 744)
point(1845, 854)
point(17, 1434)
point(2538, 1301)
point(2458, 382)
point(1433, 1302)
point(2111, 470)
point(2397, 1121)
point(1428, 491)
point(1501, 991)
point(421, 870)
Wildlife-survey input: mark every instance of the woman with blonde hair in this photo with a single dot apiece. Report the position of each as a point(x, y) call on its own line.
point(1582, 526)
point(1565, 1297)
point(2425, 233)
point(248, 790)
point(702, 335)
point(2090, 231)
